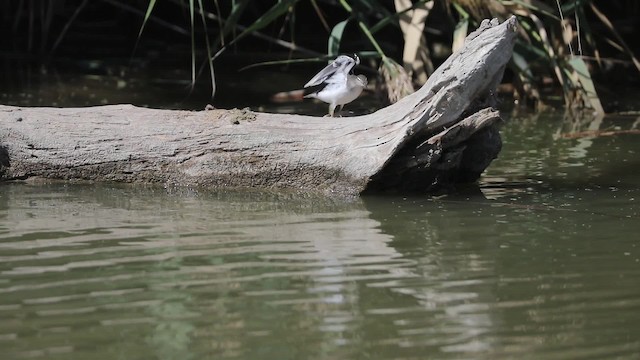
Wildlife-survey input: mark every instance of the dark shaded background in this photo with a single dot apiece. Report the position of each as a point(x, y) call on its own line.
point(100, 59)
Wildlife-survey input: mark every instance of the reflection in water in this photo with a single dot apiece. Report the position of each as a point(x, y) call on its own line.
point(170, 269)
point(545, 263)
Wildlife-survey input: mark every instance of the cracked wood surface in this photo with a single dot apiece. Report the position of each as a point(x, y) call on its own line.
point(240, 148)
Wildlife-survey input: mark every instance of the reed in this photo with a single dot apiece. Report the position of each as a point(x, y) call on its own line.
point(557, 44)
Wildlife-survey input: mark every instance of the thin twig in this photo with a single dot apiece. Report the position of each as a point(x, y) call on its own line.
point(257, 34)
point(123, 6)
point(66, 27)
point(578, 30)
point(564, 26)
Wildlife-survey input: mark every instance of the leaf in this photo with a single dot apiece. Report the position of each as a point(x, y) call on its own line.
point(208, 44)
point(237, 10)
point(580, 68)
point(460, 33)
point(365, 29)
point(286, 62)
point(412, 25)
point(570, 6)
point(539, 6)
point(376, 7)
point(193, 43)
point(336, 37)
point(321, 16)
point(391, 18)
point(584, 31)
point(361, 54)
point(68, 25)
point(609, 25)
point(543, 37)
point(275, 12)
point(520, 62)
point(405, 13)
point(152, 3)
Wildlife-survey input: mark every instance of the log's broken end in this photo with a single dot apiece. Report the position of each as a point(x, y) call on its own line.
point(452, 134)
point(436, 163)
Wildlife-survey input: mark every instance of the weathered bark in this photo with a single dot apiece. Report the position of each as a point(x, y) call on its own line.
point(445, 132)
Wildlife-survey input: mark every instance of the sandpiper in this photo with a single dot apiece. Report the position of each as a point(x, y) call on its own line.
point(335, 84)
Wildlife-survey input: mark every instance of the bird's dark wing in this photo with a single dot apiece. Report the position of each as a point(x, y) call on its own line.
point(312, 90)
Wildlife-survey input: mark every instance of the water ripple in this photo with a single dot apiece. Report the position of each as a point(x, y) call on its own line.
point(185, 277)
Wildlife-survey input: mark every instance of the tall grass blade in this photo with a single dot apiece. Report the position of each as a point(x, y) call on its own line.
point(397, 80)
point(152, 4)
point(321, 58)
point(412, 24)
point(209, 52)
point(273, 13)
point(220, 25)
point(67, 26)
point(567, 33)
point(543, 37)
point(374, 6)
point(609, 25)
point(237, 9)
point(521, 63)
point(537, 6)
point(392, 19)
point(364, 29)
point(147, 15)
point(193, 43)
point(462, 28)
point(336, 37)
point(460, 33)
point(321, 16)
point(580, 68)
point(268, 17)
point(171, 26)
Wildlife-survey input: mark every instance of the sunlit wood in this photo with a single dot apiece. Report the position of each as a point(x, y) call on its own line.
point(444, 132)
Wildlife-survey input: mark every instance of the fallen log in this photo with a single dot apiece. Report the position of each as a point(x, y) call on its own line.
point(446, 132)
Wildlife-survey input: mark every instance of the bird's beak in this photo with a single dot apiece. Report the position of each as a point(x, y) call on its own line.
point(356, 58)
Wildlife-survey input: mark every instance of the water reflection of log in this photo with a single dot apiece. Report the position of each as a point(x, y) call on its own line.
point(445, 132)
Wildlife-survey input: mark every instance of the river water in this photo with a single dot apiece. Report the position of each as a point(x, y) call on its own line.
point(541, 261)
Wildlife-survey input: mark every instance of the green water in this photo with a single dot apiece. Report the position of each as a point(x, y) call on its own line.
point(541, 262)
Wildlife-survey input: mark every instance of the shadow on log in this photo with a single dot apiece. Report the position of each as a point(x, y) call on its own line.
point(444, 133)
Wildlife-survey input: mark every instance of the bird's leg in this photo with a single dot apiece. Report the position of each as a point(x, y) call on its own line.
point(332, 108)
point(340, 110)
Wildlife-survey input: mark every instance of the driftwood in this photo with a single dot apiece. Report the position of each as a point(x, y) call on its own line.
point(444, 133)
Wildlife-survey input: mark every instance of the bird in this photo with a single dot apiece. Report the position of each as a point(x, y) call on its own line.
point(336, 84)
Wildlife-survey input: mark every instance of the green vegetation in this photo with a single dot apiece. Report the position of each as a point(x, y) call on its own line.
point(545, 49)
point(561, 44)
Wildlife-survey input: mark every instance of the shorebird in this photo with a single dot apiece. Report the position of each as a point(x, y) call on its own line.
point(335, 84)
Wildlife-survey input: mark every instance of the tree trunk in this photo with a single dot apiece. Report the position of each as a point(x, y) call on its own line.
point(444, 133)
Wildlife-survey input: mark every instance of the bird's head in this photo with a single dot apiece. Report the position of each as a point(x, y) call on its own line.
point(343, 60)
